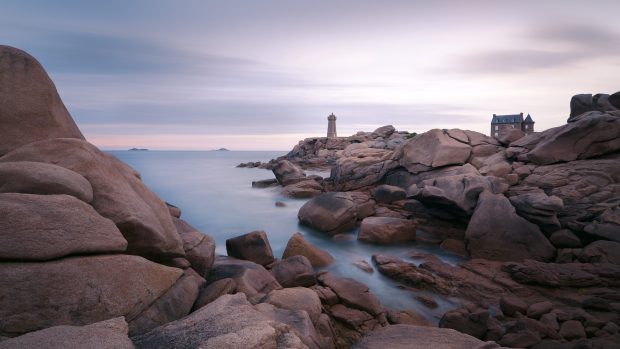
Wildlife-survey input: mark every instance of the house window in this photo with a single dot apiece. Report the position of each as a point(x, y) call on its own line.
point(496, 127)
point(527, 126)
point(496, 134)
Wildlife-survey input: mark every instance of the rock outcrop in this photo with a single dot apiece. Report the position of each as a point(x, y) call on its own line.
point(432, 149)
point(31, 107)
point(298, 246)
point(337, 212)
point(386, 230)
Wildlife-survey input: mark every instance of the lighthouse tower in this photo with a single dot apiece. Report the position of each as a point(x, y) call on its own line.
point(331, 126)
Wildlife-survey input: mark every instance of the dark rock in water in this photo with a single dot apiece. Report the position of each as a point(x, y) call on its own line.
point(199, 248)
point(288, 173)
point(44, 227)
point(496, 232)
point(420, 337)
point(304, 189)
point(298, 246)
point(107, 285)
point(138, 149)
point(565, 238)
point(352, 293)
point(221, 149)
point(119, 194)
point(388, 193)
point(265, 183)
point(294, 271)
point(252, 246)
point(31, 107)
point(336, 212)
point(363, 265)
point(251, 278)
point(46, 179)
point(280, 204)
point(108, 334)
point(214, 291)
point(230, 321)
point(386, 230)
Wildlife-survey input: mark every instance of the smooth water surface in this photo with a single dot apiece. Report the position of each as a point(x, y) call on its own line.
point(218, 199)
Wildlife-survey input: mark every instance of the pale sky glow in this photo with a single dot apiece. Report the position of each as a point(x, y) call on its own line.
point(263, 74)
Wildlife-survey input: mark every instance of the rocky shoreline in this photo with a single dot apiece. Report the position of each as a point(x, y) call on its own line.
point(91, 257)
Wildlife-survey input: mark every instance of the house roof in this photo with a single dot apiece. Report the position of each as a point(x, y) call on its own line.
point(528, 119)
point(507, 119)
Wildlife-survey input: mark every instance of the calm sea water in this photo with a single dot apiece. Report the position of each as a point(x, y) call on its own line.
point(218, 199)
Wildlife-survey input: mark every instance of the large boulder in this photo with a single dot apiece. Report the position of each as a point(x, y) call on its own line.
point(590, 135)
point(362, 166)
point(44, 227)
point(334, 212)
point(583, 103)
point(41, 178)
point(294, 271)
point(388, 193)
point(296, 298)
point(78, 291)
point(253, 246)
point(386, 230)
point(108, 334)
point(298, 246)
point(119, 194)
point(601, 251)
point(199, 248)
point(539, 208)
point(288, 173)
point(420, 337)
point(607, 224)
point(304, 189)
point(250, 278)
point(229, 322)
point(352, 293)
point(31, 107)
point(457, 194)
point(432, 149)
point(496, 232)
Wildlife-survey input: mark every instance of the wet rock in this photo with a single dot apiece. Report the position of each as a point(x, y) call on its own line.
point(433, 149)
point(428, 301)
point(230, 321)
point(108, 334)
point(601, 252)
point(280, 204)
point(496, 232)
point(510, 305)
point(386, 230)
point(303, 189)
point(199, 248)
point(565, 238)
point(119, 194)
point(46, 179)
point(572, 329)
point(473, 323)
point(363, 265)
point(454, 246)
point(296, 298)
point(566, 274)
point(44, 227)
point(335, 212)
point(31, 107)
point(420, 337)
point(287, 173)
point(265, 183)
point(250, 278)
point(388, 193)
point(214, 291)
point(294, 271)
point(537, 310)
point(298, 246)
point(252, 246)
point(107, 286)
point(352, 293)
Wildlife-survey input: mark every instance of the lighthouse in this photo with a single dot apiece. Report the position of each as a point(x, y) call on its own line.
point(331, 126)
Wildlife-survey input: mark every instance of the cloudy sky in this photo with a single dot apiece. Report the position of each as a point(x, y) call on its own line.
point(263, 74)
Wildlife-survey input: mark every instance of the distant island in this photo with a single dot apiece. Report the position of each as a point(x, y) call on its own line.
point(138, 149)
point(221, 149)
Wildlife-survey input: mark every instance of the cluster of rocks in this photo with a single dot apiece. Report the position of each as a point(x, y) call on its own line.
point(548, 202)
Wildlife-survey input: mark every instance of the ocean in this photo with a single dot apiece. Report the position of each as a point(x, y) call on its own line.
point(218, 199)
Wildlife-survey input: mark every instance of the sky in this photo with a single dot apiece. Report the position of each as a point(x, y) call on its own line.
point(261, 75)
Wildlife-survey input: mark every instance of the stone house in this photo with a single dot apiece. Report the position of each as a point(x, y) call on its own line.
point(500, 124)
